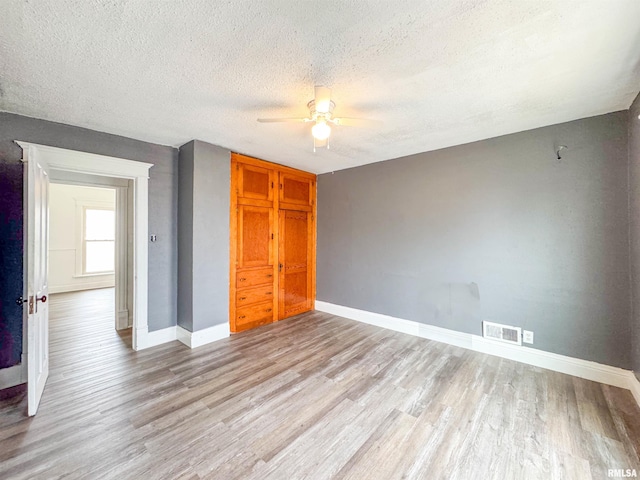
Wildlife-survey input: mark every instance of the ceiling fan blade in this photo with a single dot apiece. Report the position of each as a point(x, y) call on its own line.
point(322, 99)
point(289, 119)
point(356, 122)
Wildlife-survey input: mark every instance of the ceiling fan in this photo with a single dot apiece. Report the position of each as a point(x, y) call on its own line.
point(321, 114)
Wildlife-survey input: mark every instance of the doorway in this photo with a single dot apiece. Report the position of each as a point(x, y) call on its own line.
point(89, 241)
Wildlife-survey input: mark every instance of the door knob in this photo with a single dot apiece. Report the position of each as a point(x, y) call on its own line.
point(42, 299)
point(20, 300)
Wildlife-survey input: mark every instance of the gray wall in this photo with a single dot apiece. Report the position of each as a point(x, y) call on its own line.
point(185, 236)
point(634, 218)
point(494, 230)
point(204, 237)
point(163, 194)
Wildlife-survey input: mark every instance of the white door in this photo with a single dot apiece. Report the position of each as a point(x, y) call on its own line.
point(37, 273)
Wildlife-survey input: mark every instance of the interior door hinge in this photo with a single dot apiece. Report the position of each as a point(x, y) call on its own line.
point(280, 186)
point(271, 184)
point(272, 236)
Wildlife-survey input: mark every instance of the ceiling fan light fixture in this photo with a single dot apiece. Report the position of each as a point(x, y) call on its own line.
point(321, 130)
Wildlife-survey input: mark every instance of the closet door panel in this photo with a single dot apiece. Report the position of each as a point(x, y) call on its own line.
point(255, 182)
point(255, 236)
point(294, 257)
point(296, 190)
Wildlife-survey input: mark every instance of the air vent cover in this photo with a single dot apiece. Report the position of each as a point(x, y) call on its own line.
point(502, 333)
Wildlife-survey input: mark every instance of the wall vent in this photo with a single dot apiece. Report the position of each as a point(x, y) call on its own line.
point(502, 333)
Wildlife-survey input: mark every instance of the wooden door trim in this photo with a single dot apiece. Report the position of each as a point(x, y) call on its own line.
point(280, 262)
point(295, 207)
point(256, 162)
point(233, 247)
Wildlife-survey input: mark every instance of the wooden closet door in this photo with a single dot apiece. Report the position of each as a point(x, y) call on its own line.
point(295, 267)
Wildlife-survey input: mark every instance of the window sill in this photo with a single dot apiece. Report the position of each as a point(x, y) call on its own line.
point(100, 274)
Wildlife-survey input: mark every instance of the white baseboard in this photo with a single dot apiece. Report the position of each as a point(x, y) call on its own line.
point(634, 386)
point(183, 336)
point(81, 286)
point(202, 337)
point(122, 320)
point(617, 377)
point(12, 376)
point(190, 339)
point(146, 339)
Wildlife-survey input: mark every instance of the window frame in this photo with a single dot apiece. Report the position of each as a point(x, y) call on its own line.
point(81, 255)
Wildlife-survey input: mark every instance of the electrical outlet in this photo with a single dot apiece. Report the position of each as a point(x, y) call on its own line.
point(527, 336)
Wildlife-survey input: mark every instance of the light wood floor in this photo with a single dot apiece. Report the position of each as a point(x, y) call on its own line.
point(316, 396)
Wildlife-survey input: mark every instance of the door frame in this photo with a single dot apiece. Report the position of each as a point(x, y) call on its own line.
point(60, 159)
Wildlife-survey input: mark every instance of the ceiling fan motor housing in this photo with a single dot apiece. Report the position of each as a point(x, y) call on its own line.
point(325, 112)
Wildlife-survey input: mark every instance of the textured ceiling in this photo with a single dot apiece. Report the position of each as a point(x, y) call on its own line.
point(437, 73)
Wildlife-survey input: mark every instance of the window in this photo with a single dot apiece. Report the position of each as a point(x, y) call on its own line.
point(98, 242)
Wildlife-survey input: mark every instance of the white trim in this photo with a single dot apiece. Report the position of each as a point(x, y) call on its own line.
point(634, 386)
point(157, 337)
point(108, 283)
point(183, 336)
point(140, 257)
point(122, 319)
point(617, 377)
point(90, 163)
point(12, 376)
point(60, 177)
point(204, 336)
point(121, 274)
point(88, 275)
point(190, 339)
